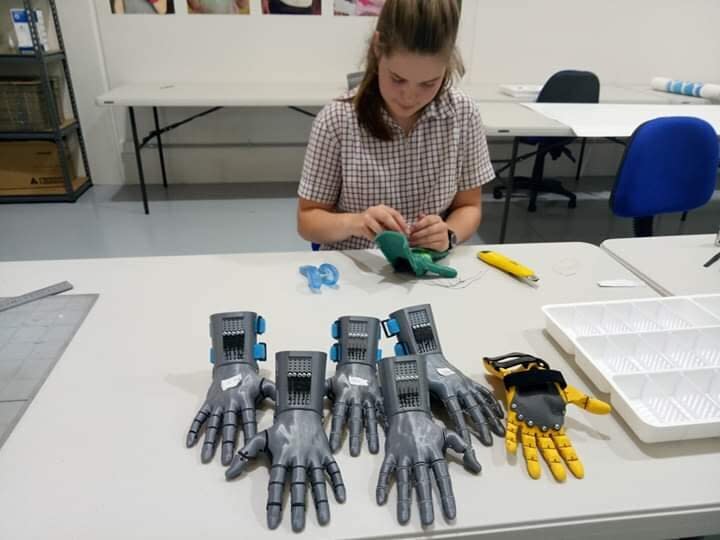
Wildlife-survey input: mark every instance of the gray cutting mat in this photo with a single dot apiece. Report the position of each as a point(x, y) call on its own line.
point(33, 337)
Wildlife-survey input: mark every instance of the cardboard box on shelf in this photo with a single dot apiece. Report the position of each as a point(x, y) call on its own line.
point(33, 165)
point(22, 29)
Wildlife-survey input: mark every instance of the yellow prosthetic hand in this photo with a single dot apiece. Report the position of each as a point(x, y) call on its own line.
point(537, 398)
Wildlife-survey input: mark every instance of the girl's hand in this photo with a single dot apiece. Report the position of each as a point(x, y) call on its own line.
point(430, 232)
point(377, 219)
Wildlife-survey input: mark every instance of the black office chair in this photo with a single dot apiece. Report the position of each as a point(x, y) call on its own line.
point(564, 87)
point(354, 79)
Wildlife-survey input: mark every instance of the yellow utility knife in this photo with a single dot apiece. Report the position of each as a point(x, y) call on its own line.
point(514, 268)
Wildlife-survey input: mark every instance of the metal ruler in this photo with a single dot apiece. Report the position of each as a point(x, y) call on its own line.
point(15, 301)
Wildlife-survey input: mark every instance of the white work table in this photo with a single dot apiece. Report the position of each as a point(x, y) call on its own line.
point(608, 94)
point(509, 120)
point(100, 451)
point(673, 265)
point(269, 94)
point(282, 94)
point(618, 119)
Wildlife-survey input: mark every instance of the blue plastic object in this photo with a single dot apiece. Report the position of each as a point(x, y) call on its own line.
point(400, 349)
point(260, 352)
point(379, 355)
point(670, 165)
point(335, 330)
point(326, 274)
point(393, 327)
point(260, 325)
point(334, 352)
point(212, 355)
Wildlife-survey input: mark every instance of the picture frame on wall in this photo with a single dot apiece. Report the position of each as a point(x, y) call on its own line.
point(218, 7)
point(292, 7)
point(142, 7)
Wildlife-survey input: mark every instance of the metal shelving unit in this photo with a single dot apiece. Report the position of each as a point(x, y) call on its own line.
point(60, 129)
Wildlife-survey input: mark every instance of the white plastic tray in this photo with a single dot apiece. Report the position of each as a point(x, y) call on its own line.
point(658, 358)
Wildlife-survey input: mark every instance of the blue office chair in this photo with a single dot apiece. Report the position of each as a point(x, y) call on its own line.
point(670, 165)
point(567, 86)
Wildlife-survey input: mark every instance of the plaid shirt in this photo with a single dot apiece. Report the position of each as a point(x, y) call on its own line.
point(350, 169)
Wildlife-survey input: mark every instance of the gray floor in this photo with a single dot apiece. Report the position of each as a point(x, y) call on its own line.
point(108, 221)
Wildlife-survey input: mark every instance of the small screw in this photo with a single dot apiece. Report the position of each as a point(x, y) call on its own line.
point(513, 406)
point(530, 423)
point(556, 427)
point(544, 428)
point(521, 417)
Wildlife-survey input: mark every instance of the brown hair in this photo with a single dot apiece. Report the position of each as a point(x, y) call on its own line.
point(416, 26)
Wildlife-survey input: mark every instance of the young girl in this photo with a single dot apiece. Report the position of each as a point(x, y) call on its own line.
point(404, 152)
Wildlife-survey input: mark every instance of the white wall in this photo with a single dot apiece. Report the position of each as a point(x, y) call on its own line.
point(501, 40)
point(622, 41)
point(78, 22)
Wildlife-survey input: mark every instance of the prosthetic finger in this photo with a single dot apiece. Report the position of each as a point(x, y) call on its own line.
point(208, 449)
point(567, 452)
point(475, 411)
point(355, 426)
point(489, 399)
point(197, 423)
point(511, 433)
point(298, 490)
point(250, 451)
point(442, 477)
point(319, 493)
point(387, 468)
point(456, 416)
point(530, 453)
point(403, 492)
point(276, 487)
point(371, 428)
point(595, 406)
point(424, 493)
point(247, 417)
point(338, 423)
point(335, 479)
point(229, 434)
point(551, 456)
point(454, 441)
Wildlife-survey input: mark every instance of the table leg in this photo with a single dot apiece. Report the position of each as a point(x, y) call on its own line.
point(138, 159)
point(509, 181)
point(160, 146)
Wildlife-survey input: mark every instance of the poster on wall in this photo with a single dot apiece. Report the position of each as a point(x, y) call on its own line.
point(292, 7)
point(142, 7)
point(358, 7)
point(218, 7)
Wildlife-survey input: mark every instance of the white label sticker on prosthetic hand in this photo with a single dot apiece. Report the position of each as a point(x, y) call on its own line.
point(231, 382)
point(357, 381)
point(445, 372)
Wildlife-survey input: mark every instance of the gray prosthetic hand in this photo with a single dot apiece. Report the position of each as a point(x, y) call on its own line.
point(414, 444)
point(354, 387)
point(296, 442)
point(416, 333)
point(236, 388)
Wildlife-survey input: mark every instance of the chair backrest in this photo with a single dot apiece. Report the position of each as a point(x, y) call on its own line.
point(670, 165)
point(354, 79)
point(571, 86)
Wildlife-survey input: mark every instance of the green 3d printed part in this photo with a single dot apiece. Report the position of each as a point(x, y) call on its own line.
point(403, 258)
